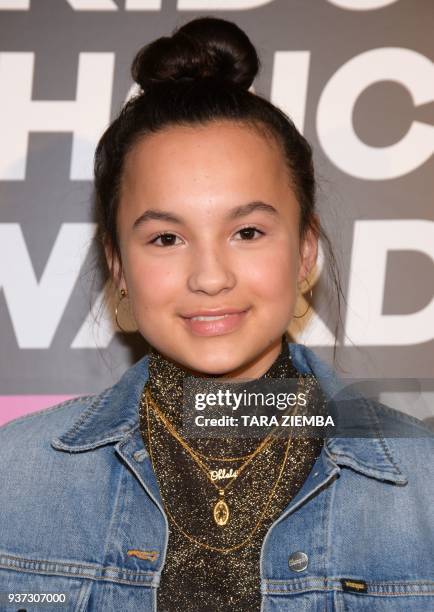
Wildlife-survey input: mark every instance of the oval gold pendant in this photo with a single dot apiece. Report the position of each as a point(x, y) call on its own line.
point(221, 513)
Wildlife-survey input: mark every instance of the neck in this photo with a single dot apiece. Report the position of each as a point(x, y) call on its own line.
point(167, 386)
point(251, 370)
point(167, 378)
point(261, 364)
point(254, 369)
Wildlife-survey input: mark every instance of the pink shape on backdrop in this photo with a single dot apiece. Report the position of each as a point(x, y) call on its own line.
point(14, 406)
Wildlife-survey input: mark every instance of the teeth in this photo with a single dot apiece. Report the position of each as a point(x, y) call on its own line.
point(210, 318)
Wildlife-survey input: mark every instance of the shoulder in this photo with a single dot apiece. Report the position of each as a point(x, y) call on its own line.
point(399, 429)
point(29, 465)
point(383, 442)
point(32, 466)
point(48, 416)
point(402, 422)
point(94, 418)
point(408, 443)
point(35, 430)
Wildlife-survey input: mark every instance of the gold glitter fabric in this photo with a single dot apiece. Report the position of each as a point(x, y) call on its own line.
point(194, 578)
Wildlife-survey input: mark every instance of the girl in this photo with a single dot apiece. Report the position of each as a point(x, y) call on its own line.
point(205, 200)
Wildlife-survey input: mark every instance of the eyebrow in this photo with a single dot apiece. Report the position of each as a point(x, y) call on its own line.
point(234, 213)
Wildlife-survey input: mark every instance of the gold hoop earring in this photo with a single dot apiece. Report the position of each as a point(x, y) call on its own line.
point(308, 306)
point(123, 295)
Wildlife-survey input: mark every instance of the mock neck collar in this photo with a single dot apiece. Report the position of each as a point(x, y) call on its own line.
point(112, 416)
point(167, 379)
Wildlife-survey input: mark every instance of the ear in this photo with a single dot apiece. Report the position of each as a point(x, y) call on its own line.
point(114, 265)
point(308, 253)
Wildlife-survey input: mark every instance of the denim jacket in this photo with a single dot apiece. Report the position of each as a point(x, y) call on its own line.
point(81, 513)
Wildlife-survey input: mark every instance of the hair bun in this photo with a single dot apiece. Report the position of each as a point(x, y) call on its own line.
point(204, 47)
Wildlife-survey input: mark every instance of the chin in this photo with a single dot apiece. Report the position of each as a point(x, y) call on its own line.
point(216, 362)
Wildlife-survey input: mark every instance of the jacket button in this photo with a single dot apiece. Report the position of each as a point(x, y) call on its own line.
point(140, 455)
point(297, 561)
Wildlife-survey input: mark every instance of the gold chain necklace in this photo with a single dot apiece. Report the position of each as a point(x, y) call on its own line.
point(221, 508)
point(255, 528)
point(224, 458)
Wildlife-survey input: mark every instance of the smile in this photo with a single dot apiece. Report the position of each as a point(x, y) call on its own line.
point(209, 318)
point(215, 325)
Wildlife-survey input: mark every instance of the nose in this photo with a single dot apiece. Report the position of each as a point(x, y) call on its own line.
point(211, 271)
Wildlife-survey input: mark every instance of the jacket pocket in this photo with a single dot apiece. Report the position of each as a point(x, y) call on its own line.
point(37, 585)
point(34, 586)
point(388, 596)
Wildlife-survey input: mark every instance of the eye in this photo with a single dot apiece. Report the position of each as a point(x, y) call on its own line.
point(166, 239)
point(248, 232)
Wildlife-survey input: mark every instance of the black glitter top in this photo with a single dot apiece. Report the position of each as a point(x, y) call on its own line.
point(195, 578)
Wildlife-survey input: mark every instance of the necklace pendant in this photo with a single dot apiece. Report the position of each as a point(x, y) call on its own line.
point(221, 513)
point(223, 473)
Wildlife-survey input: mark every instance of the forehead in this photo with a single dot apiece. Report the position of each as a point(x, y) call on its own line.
point(220, 155)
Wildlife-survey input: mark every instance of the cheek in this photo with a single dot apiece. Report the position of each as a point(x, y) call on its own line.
point(273, 276)
point(152, 282)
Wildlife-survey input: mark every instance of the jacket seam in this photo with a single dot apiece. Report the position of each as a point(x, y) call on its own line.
point(332, 491)
point(140, 582)
point(372, 582)
point(383, 443)
point(36, 413)
point(360, 463)
point(324, 584)
point(85, 415)
point(406, 418)
point(73, 564)
point(340, 590)
point(115, 511)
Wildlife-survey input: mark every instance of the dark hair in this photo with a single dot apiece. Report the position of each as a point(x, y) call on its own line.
point(201, 73)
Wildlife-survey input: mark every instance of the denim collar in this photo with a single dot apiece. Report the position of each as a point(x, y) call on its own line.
point(113, 415)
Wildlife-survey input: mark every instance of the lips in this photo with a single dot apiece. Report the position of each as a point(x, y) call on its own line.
point(216, 322)
point(216, 312)
point(210, 318)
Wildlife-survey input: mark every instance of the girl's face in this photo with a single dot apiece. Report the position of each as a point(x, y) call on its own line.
point(208, 223)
